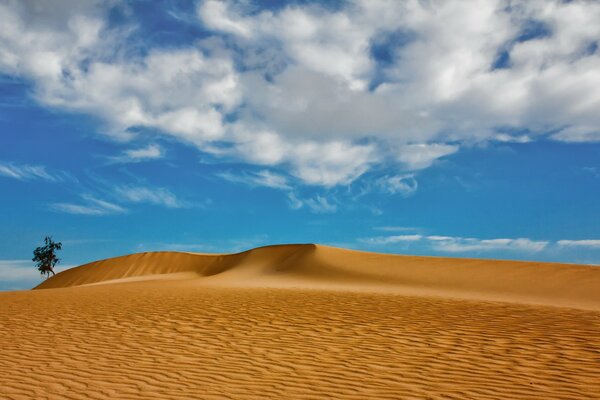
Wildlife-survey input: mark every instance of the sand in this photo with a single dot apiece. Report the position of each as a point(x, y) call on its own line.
point(304, 321)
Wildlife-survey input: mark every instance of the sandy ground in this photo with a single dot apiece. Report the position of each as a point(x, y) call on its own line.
point(304, 322)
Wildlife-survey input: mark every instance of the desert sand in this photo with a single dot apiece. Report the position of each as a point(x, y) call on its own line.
point(305, 322)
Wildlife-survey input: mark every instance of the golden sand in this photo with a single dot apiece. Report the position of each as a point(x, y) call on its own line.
point(304, 321)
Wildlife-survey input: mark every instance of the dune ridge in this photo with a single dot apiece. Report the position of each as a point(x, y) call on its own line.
point(310, 265)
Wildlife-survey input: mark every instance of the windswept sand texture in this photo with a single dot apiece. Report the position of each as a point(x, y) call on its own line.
point(304, 321)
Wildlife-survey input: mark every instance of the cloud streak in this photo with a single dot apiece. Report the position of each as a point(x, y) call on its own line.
point(27, 172)
point(317, 204)
point(90, 206)
point(263, 178)
point(385, 240)
point(149, 195)
point(456, 244)
point(589, 243)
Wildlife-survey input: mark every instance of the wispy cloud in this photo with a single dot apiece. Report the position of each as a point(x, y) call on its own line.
point(383, 240)
point(317, 204)
point(90, 206)
point(25, 172)
point(320, 204)
point(455, 244)
point(459, 244)
point(592, 170)
point(150, 152)
point(404, 185)
point(466, 245)
point(156, 196)
point(260, 178)
point(591, 243)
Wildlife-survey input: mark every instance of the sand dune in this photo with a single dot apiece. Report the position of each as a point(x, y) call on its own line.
point(304, 322)
point(317, 266)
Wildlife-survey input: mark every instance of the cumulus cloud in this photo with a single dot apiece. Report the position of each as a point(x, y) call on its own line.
point(324, 93)
point(443, 78)
point(331, 163)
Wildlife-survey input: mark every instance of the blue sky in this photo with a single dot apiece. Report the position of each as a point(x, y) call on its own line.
point(432, 129)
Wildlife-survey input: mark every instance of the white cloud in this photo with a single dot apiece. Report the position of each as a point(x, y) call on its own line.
point(459, 244)
point(419, 156)
point(578, 134)
point(440, 83)
point(453, 244)
point(299, 87)
point(90, 206)
point(504, 137)
point(294, 202)
point(326, 42)
point(156, 196)
point(320, 205)
point(404, 185)
point(331, 163)
point(260, 178)
point(28, 172)
point(591, 243)
point(385, 240)
point(317, 204)
point(149, 152)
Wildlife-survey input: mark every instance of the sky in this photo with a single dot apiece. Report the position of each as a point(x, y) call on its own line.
point(441, 128)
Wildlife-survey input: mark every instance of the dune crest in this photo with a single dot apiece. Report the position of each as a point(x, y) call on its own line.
point(310, 265)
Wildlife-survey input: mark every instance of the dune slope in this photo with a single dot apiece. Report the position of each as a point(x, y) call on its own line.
point(303, 322)
point(309, 265)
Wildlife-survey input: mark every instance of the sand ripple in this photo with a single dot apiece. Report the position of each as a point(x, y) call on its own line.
point(176, 340)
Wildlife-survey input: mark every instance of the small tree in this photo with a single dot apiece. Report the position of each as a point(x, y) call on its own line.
point(45, 256)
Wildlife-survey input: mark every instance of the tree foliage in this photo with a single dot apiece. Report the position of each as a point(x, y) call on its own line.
point(45, 256)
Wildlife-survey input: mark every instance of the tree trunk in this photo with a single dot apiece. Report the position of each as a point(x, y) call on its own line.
point(53, 274)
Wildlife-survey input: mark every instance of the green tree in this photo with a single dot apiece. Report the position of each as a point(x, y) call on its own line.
point(45, 256)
